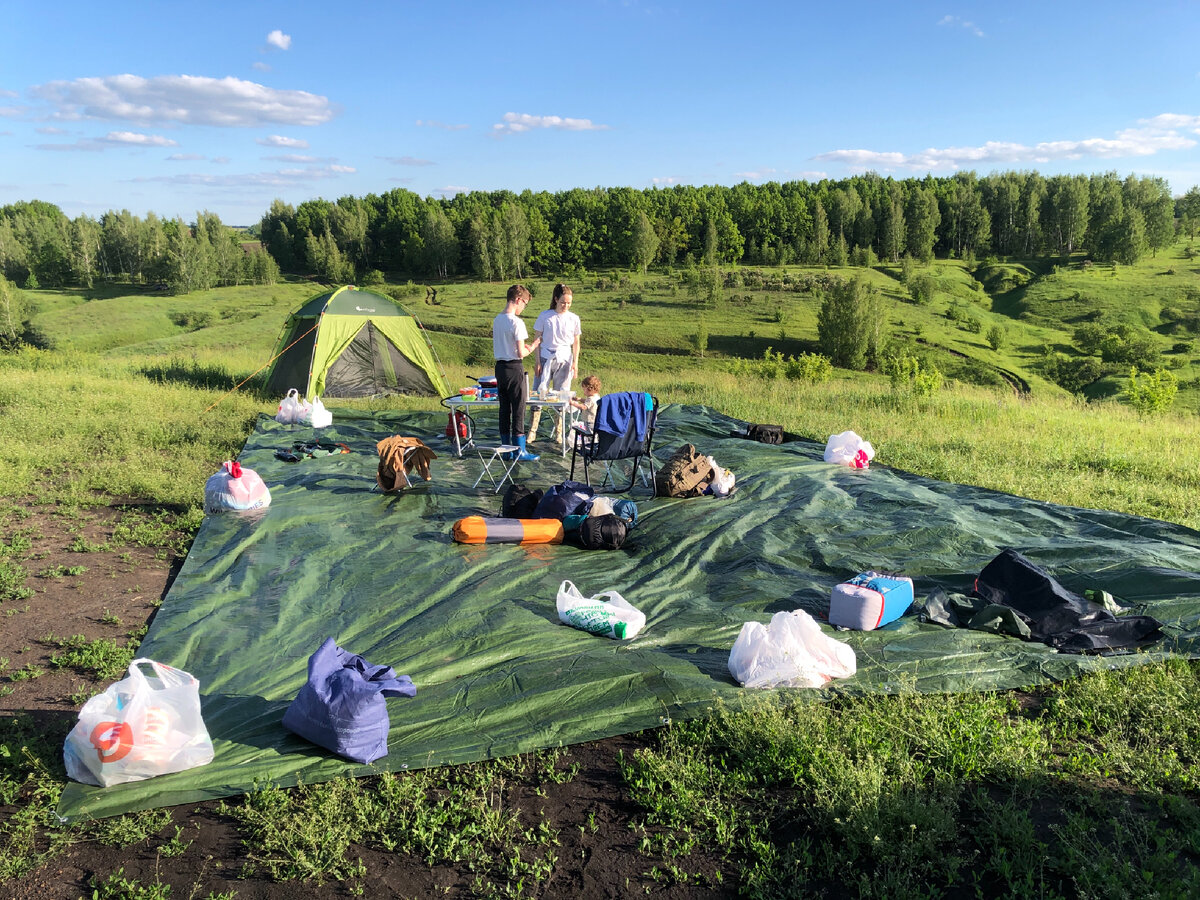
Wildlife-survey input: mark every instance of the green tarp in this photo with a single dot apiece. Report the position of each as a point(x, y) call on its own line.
point(476, 626)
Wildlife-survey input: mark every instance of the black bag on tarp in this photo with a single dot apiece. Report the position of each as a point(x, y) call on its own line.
point(765, 434)
point(519, 502)
point(568, 498)
point(603, 532)
point(1055, 615)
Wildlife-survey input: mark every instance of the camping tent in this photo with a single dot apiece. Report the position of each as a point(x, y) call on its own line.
point(353, 343)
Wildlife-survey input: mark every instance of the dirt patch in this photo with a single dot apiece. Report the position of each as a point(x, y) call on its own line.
point(86, 585)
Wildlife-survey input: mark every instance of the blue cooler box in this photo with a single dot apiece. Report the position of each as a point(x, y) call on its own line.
point(869, 600)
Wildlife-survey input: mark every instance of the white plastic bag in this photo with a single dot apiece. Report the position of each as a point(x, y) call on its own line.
point(848, 449)
point(601, 506)
point(235, 488)
point(291, 408)
point(723, 479)
point(614, 617)
point(316, 414)
point(791, 651)
point(144, 725)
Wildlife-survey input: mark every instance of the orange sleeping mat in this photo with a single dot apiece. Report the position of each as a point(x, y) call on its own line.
point(481, 530)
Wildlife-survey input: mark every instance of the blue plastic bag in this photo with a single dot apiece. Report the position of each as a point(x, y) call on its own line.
point(626, 510)
point(568, 498)
point(342, 707)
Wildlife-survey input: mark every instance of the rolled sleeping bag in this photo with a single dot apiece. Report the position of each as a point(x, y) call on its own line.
point(492, 530)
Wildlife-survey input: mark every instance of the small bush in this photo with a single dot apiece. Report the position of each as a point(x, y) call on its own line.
point(811, 368)
point(995, 337)
point(1151, 393)
point(909, 375)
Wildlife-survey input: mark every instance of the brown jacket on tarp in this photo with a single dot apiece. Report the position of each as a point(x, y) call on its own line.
point(398, 456)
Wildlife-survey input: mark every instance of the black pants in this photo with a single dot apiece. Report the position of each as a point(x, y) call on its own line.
point(511, 391)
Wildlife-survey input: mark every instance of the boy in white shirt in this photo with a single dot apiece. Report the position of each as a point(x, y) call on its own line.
point(508, 346)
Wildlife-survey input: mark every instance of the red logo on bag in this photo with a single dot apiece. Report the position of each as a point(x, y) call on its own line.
point(112, 740)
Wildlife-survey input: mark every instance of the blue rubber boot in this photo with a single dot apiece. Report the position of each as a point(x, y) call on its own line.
point(524, 455)
point(507, 440)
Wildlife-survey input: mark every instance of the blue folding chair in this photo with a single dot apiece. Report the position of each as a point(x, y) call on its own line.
point(605, 446)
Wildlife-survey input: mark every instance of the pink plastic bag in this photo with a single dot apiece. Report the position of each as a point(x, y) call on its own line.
point(848, 449)
point(235, 488)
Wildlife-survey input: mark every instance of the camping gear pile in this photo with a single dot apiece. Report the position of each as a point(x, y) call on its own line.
point(697, 591)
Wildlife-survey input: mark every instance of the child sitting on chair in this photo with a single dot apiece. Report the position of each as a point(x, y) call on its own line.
point(591, 398)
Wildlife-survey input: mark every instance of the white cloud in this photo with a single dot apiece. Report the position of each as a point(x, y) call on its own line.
point(81, 145)
point(278, 39)
point(220, 160)
point(402, 180)
point(1153, 135)
point(260, 66)
point(183, 100)
point(515, 123)
point(278, 140)
point(668, 180)
point(11, 112)
point(407, 161)
point(185, 157)
point(959, 22)
point(133, 138)
point(8, 94)
point(343, 170)
point(278, 178)
point(764, 172)
point(294, 158)
point(451, 189)
point(110, 140)
point(50, 129)
point(434, 123)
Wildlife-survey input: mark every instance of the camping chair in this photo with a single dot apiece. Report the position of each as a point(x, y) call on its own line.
point(598, 446)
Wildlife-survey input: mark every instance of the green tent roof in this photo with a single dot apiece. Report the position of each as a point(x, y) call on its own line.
point(350, 301)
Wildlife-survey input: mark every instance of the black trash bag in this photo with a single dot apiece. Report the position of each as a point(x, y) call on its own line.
point(1055, 615)
point(519, 502)
point(603, 532)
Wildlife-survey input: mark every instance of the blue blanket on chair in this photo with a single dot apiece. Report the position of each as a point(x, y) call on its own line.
point(615, 410)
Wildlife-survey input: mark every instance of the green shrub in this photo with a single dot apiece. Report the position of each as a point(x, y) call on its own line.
point(909, 375)
point(995, 337)
point(810, 368)
point(1151, 393)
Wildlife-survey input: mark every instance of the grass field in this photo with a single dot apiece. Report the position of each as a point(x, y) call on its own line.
point(1086, 789)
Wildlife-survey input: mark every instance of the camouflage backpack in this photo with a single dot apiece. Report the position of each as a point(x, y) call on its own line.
point(686, 474)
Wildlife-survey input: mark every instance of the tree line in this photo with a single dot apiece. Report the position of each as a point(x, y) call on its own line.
point(42, 247)
point(501, 235)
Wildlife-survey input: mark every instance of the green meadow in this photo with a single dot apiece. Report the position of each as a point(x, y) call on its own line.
point(1084, 789)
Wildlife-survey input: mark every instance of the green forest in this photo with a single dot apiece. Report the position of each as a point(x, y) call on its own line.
point(501, 235)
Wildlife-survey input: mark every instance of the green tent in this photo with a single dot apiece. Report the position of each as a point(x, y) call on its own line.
point(354, 343)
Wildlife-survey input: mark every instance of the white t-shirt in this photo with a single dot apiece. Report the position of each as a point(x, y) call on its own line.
point(558, 335)
point(539, 324)
point(507, 329)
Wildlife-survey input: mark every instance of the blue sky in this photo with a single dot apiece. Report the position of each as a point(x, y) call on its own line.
point(180, 107)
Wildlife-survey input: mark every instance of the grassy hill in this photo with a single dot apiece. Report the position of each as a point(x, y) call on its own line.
point(1084, 789)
